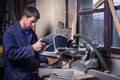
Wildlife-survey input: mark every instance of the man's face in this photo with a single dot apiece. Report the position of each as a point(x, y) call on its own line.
point(29, 22)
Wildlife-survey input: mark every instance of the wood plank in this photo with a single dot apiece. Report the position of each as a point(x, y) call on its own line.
point(115, 17)
point(52, 60)
point(97, 4)
point(73, 31)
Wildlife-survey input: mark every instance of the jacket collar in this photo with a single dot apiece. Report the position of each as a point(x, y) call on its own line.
point(22, 32)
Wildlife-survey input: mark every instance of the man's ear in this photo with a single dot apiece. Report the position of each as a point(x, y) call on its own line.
point(24, 17)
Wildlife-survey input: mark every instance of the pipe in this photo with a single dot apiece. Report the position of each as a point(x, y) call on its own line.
point(95, 49)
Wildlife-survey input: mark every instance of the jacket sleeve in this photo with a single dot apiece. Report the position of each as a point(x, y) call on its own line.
point(11, 49)
point(42, 58)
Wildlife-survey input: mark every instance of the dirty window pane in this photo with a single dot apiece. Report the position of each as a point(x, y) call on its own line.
point(92, 27)
point(116, 39)
point(101, 6)
point(116, 2)
point(85, 5)
point(88, 4)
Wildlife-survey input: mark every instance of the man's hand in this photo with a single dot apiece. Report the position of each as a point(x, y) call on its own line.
point(38, 46)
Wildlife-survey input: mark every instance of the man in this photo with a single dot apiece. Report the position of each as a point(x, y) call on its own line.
point(21, 47)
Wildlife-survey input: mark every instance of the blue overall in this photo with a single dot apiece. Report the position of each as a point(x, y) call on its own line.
point(18, 54)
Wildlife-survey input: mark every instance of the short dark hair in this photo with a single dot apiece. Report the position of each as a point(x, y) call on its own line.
point(31, 11)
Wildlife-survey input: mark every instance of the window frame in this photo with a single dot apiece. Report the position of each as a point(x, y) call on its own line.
point(108, 26)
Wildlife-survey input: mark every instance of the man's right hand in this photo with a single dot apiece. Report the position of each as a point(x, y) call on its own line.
point(38, 46)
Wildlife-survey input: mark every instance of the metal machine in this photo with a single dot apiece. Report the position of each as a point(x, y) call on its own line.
point(82, 61)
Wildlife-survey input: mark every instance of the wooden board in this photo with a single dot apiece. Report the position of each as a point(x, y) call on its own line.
point(52, 60)
point(98, 3)
point(115, 17)
point(73, 32)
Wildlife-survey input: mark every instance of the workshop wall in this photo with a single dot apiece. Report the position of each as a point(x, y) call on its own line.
point(72, 10)
point(52, 11)
point(45, 8)
point(113, 64)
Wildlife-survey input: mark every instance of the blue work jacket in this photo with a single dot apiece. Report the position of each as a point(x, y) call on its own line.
point(18, 55)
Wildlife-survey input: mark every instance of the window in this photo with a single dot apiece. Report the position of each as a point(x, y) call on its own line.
point(99, 25)
point(101, 6)
point(116, 2)
point(91, 23)
point(116, 39)
point(93, 27)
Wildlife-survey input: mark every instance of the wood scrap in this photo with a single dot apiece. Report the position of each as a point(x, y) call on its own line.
point(98, 3)
point(115, 17)
point(74, 22)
